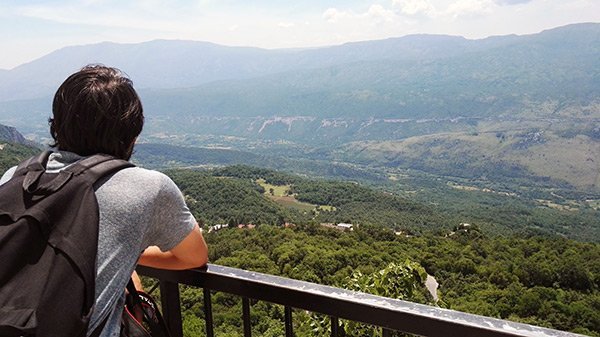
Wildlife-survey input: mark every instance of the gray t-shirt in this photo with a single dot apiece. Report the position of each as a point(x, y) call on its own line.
point(138, 208)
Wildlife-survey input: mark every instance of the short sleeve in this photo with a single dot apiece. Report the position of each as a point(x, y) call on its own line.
point(172, 220)
point(7, 175)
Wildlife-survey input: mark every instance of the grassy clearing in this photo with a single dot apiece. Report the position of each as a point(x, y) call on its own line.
point(473, 188)
point(277, 190)
point(281, 195)
point(554, 205)
point(291, 202)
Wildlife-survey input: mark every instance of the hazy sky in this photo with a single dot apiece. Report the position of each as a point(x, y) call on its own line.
point(31, 29)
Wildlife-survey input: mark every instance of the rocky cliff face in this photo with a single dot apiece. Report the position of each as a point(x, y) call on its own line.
point(306, 130)
point(11, 135)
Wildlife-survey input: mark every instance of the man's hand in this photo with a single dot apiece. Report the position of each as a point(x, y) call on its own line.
point(136, 281)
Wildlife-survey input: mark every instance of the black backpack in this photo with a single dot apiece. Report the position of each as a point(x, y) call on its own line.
point(48, 247)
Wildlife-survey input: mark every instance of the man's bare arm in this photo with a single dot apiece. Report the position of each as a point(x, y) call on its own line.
point(192, 252)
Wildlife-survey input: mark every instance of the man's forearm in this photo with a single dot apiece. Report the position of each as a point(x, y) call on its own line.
point(154, 257)
point(192, 252)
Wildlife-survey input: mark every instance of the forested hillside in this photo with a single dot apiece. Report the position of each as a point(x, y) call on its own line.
point(482, 268)
point(552, 282)
point(11, 154)
point(13, 148)
point(235, 194)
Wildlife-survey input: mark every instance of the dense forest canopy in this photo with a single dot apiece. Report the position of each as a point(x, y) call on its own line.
point(531, 277)
point(551, 282)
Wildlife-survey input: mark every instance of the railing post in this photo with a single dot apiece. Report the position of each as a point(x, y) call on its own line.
point(246, 317)
point(208, 313)
point(334, 326)
point(169, 298)
point(289, 326)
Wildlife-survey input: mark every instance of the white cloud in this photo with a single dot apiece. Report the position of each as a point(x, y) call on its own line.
point(233, 28)
point(511, 2)
point(374, 13)
point(285, 24)
point(333, 15)
point(379, 12)
point(469, 7)
point(414, 7)
point(93, 2)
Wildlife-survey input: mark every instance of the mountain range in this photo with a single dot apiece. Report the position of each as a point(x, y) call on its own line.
point(184, 64)
point(383, 102)
point(416, 76)
point(179, 64)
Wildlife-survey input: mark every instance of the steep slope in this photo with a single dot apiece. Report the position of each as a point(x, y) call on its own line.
point(534, 155)
point(9, 134)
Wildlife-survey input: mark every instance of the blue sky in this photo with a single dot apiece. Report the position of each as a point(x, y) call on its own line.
point(31, 29)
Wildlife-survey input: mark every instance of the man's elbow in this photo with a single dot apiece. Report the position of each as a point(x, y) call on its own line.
point(192, 252)
point(199, 260)
point(189, 262)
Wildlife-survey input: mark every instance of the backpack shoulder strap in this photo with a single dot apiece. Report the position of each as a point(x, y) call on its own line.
point(97, 166)
point(37, 162)
point(33, 169)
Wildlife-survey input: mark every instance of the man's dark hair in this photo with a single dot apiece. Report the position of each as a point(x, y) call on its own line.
point(96, 110)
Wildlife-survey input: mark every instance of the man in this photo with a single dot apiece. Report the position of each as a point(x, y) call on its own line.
point(96, 110)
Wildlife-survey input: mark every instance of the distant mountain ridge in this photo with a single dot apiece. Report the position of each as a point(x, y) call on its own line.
point(412, 77)
point(181, 64)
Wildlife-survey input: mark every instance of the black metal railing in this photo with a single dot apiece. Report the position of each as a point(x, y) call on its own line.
point(389, 314)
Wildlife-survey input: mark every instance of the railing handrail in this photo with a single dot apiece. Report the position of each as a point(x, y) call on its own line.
point(385, 312)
